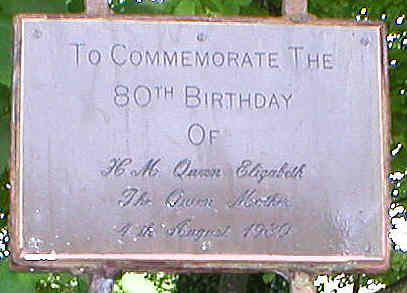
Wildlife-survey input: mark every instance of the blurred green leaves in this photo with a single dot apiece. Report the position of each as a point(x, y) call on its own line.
point(397, 271)
point(5, 110)
point(191, 7)
point(61, 283)
point(11, 7)
point(17, 282)
point(5, 51)
point(186, 7)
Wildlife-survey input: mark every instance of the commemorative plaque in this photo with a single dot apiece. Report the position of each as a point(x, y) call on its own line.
point(194, 144)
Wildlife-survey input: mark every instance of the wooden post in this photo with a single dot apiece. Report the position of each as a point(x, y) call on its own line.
point(297, 10)
point(101, 284)
point(101, 281)
point(97, 8)
point(233, 283)
point(302, 283)
point(294, 7)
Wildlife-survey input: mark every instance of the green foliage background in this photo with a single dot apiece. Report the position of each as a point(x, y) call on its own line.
point(387, 10)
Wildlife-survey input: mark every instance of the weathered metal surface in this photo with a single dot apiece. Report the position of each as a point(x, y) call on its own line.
point(199, 145)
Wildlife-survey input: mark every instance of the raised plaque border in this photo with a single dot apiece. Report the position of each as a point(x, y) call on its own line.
point(22, 261)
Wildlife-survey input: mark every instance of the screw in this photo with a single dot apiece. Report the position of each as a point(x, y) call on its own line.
point(201, 37)
point(37, 34)
point(364, 41)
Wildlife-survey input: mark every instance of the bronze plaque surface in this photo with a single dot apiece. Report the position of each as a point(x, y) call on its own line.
point(199, 144)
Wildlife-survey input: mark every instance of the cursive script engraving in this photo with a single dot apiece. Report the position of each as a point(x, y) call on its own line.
point(118, 167)
point(272, 230)
point(183, 170)
point(177, 199)
point(248, 168)
point(134, 196)
point(149, 169)
point(249, 199)
point(129, 229)
point(185, 230)
point(123, 229)
point(147, 231)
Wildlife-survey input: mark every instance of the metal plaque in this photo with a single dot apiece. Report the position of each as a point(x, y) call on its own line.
point(193, 144)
